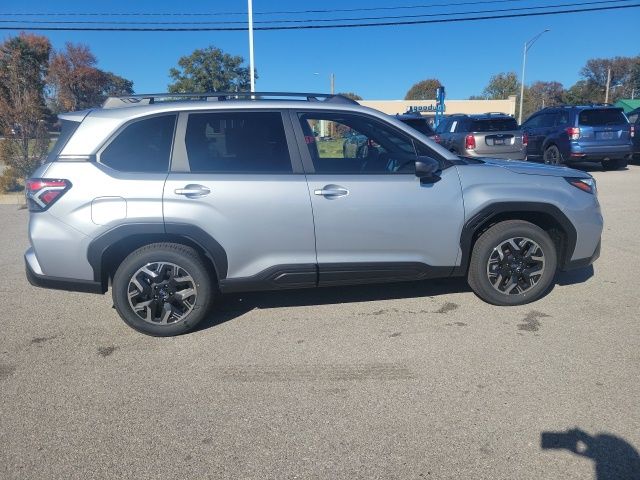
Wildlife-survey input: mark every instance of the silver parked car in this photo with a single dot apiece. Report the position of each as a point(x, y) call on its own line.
point(495, 135)
point(171, 202)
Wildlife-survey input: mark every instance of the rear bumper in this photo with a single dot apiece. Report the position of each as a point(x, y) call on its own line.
point(582, 262)
point(579, 153)
point(38, 279)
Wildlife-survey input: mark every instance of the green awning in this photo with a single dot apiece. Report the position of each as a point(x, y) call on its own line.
point(627, 104)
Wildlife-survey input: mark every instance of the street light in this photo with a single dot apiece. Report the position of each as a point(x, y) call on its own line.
point(527, 46)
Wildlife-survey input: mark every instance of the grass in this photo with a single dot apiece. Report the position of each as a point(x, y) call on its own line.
point(331, 148)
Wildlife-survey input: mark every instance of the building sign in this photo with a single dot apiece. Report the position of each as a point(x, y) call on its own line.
point(425, 108)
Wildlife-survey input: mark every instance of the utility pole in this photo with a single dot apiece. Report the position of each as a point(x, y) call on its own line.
point(252, 75)
point(606, 94)
point(333, 83)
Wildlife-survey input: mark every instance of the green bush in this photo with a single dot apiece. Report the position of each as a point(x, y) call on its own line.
point(9, 181)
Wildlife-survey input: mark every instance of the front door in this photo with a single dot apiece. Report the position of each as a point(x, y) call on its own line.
point(234, 176)
point(374, 220)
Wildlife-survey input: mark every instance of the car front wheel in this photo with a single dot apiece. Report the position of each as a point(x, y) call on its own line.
point(162, 289)
point(512, 263)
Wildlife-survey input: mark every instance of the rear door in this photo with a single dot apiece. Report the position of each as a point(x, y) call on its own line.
point(235, 176)
point(603, 126)
point(374, 219)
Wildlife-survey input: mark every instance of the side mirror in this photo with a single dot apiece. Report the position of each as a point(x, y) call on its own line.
point(427, 170)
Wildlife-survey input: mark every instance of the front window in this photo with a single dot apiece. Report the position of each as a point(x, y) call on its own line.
point(346, 143)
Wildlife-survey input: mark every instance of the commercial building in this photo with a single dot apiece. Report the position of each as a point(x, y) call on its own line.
point(428, 107)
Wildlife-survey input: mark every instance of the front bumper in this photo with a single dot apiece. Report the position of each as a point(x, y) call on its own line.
point(582, 262)
point(39, 279)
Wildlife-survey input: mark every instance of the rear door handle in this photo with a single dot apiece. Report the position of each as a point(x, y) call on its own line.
point(193, 191)
point(332, 191)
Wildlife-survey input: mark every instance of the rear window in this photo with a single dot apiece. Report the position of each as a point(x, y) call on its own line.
point(67, 128)
point(420, 125)
point(494, 125)
point(601, 116)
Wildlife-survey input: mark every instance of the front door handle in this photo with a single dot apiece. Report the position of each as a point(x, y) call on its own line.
point(332, 191)
point(193, 191)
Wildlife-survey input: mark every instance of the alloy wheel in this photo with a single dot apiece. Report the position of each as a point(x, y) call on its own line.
point(515, 265)
point(162, 293)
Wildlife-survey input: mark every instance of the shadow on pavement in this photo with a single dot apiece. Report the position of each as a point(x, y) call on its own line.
point(575, 276)
point(613, 457)
point(235, 305)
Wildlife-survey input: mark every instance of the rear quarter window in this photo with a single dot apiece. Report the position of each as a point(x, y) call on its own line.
point(67, 129)
point(494, 125)
point(142, 146)
point(601, 116)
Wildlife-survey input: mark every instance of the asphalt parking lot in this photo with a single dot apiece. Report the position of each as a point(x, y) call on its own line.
point(417, 380)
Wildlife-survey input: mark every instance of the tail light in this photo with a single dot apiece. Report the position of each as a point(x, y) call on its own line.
point(632, 133)
point(436, 138)
point(525, 139)
point(44, 192)
point(469, 142)
point(574, 133)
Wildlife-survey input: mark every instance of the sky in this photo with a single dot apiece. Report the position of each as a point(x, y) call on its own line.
point(375, 63)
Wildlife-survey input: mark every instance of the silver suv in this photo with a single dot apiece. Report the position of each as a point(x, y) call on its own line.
point(495, 135)
point(172, 200)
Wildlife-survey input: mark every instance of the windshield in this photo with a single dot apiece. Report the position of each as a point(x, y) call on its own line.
point(494, 125)
point(602, 116)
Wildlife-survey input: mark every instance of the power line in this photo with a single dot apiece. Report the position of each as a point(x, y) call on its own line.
point(316, 27)
point(217, 14)
point(263, 22)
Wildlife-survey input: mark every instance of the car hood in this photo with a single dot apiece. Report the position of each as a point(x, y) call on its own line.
point(530, 168)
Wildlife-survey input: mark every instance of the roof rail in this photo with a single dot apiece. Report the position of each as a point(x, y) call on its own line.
point(151, 98)
point(495, 113)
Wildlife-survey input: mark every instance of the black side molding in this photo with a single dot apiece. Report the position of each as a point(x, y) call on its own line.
point(68, 284)
point(473, 224)
point(278, 277)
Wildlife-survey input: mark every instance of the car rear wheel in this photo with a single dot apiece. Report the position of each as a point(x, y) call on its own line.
point(162, 289)
point(512, 263)
point(552, 156)
point(617, 164)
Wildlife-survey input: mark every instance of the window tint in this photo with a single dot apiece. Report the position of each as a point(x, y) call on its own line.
point(143, 146)
point(453, 126)
point(548, 120)
point(533, 122)
point(599, 117)
point(345, 143)
point(562, 118)
point(494, 125)
point(237, 142)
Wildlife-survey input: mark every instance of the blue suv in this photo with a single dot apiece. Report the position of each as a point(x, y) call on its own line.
point(574, 133)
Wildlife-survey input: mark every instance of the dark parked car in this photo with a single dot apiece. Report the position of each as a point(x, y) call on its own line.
point(634, 120)
point(418, 122)
point(573, 133)
point(495, 135)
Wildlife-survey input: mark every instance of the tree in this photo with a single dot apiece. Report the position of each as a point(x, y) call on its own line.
point(76, 83)
point(209, 70)
point(351, 95)
point(23, 68)
point(592, 86)
point(501, 86)
point(540, 95)
point(423, 90)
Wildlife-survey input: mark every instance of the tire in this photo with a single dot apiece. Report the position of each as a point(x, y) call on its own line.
point(617, 164)
point(149, 274)
point(552, 156)
point(489, 275)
